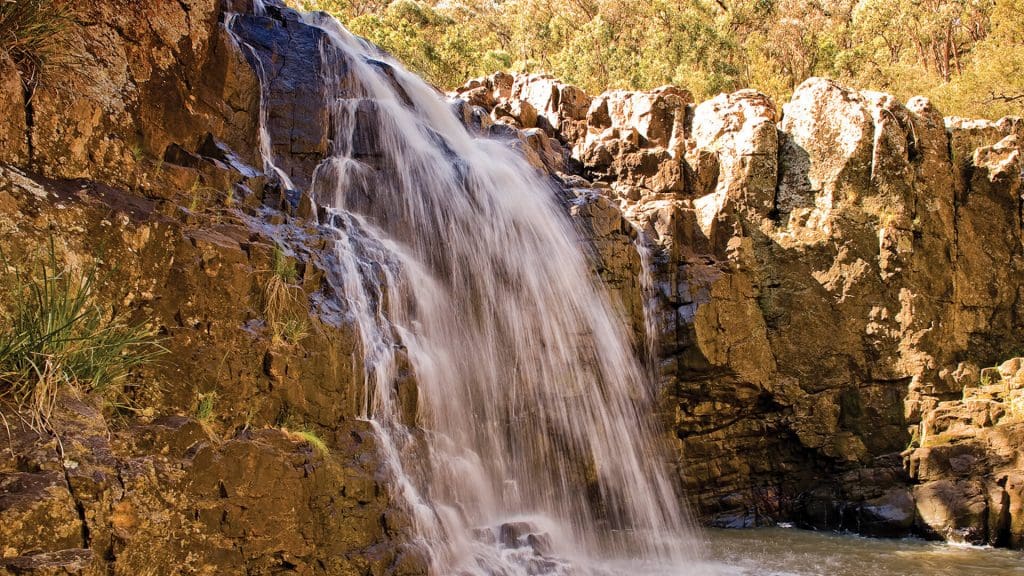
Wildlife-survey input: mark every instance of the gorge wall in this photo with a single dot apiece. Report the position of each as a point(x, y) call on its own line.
point(821, 290)
point(825, 286)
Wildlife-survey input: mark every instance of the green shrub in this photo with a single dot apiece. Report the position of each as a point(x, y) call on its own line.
point(53, 337)
point(36, 34)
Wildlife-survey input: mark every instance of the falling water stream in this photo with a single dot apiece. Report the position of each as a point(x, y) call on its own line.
point(535, 453)
point(463, 267)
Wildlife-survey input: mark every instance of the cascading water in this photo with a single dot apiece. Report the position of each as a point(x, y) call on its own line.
point(459, 266)
point(650, 299)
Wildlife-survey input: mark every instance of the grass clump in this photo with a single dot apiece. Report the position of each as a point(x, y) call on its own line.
point(204, 409)
point(36, 34)
point(293, 330)
point(281, 296)
point(284, 268)
point(54, 337)
point(311, 438)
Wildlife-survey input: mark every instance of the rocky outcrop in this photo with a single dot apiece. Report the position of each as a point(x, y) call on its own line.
point(967, 460)
point(168, 496)
point(159, 482)
point(146, 75)
point(145, 163)
point(816, 278)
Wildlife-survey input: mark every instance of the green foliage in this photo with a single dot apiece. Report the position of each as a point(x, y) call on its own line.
point(294, 330)
point(986, 379)
point(195, 196)
point(203, 197)
point(284, 267)
point(311, 438)
point(281, 298)
point(36, 35)
point(204, 409)
point(967, 55)
point(53, 336)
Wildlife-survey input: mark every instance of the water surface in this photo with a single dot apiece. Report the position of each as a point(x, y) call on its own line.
point(791, 552)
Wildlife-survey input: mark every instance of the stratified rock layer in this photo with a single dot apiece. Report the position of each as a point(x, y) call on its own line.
point(816, 280)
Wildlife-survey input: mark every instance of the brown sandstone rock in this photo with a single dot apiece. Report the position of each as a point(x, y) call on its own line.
point(13, 142)
point(561, 108)
point(183, 501)
point(121, 498)
point(819, 293)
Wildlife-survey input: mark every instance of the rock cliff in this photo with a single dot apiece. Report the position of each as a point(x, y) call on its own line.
point(821, 283)
point(819, 289)
point(238, 451)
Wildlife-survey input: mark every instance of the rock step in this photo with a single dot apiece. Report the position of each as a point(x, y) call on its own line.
point(37, 514)
point(70, 562)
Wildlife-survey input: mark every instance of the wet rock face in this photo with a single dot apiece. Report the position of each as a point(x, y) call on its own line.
point(295, 106)
point(816, 279)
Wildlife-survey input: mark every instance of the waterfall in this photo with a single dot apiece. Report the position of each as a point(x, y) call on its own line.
point(533, 449)
point(649, 293)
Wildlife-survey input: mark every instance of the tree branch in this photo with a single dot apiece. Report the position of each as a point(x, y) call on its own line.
point(993, 97)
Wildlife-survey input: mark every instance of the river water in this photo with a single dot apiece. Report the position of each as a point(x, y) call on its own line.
point(791, 552)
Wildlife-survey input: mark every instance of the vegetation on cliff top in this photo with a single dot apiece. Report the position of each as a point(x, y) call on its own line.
point(967, 55)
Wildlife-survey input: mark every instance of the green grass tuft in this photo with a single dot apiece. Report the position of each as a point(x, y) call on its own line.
point(293, 330)
point(204, 410)
point(53, 337)
point(284, 267)
point(312, 439)
point(281, 297)
point(36, 34)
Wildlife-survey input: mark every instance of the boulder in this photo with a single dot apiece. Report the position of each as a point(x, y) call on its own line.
point(889, 515)
point(651, 114)
point(953, 510)
point(733, 144)
point(561, 108)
